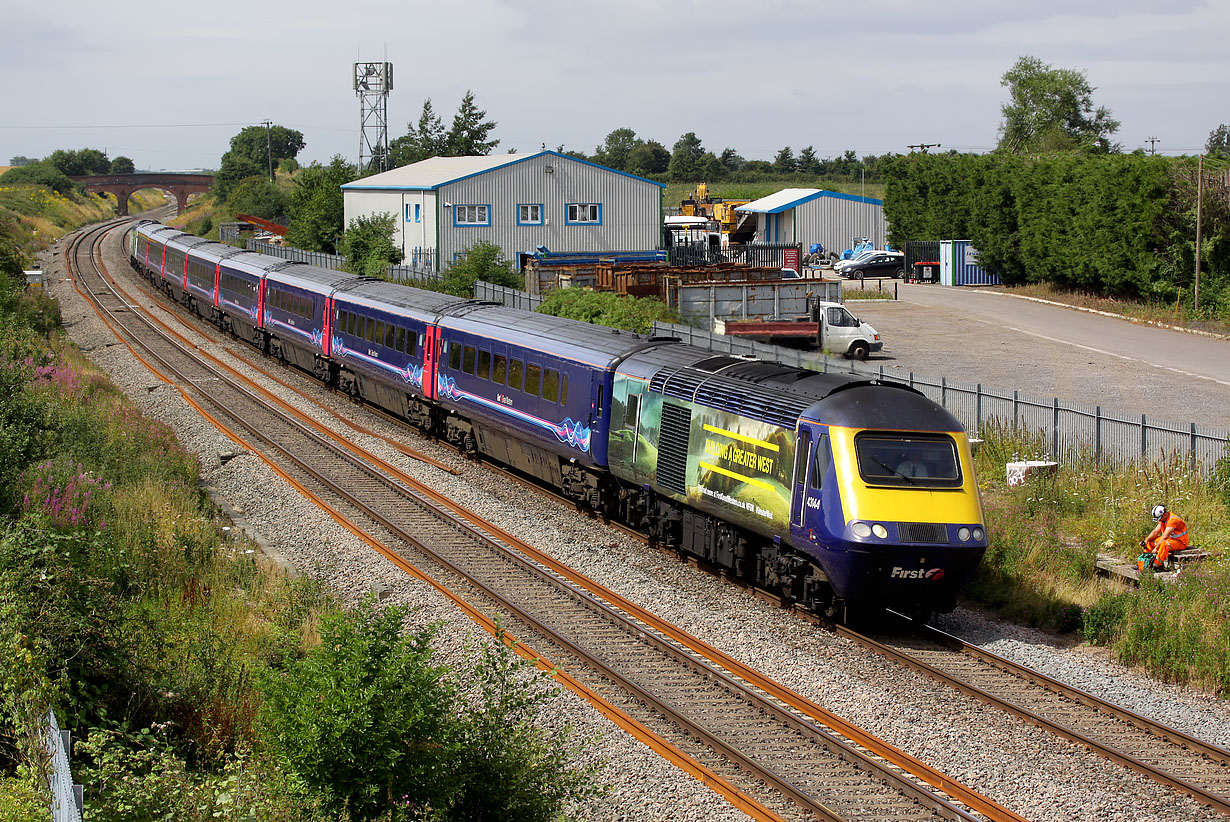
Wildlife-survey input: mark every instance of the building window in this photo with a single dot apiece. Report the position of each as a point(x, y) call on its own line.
point(529, 214)
point(471, 215)
point(414, 212)
point(585, 213)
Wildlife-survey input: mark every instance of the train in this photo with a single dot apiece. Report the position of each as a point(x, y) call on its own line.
point(788, 479)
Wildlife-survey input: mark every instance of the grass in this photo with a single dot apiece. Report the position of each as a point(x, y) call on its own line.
point(1180, 314)
point(876, 290)
point(1045, 535)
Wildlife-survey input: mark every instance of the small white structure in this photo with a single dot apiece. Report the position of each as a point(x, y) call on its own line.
point(444, 205)
point(1022, 471)
point(813, 215)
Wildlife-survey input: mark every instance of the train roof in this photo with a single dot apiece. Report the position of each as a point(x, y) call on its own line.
point(571, 339)
point(781, 394)
point(309, 277)
point(384, 294)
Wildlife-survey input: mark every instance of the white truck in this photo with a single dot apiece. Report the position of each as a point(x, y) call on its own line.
point(833, 328)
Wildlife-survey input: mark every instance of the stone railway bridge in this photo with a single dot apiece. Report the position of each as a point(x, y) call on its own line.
point(122, 186)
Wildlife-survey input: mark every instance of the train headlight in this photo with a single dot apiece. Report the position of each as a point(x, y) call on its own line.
point(979, 534)
point(861, 530)
point(880, 531)
point(963, 534)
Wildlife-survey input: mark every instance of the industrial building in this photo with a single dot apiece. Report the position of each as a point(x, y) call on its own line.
point(546, 200)
point(812, 215)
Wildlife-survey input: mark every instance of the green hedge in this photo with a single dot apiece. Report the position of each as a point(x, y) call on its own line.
point(1118, 225)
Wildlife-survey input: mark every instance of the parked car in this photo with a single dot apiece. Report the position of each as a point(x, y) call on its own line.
point(879, 264)
point(840, 265)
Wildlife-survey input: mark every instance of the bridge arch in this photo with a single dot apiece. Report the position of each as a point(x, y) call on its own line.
point(123, 186)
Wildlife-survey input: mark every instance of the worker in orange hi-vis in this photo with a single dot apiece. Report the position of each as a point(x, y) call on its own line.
point(1169, 535)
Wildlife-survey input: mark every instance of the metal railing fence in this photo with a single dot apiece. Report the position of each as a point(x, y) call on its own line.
point(66, 796)
point(419, 267)
point(511, 297)
point(1064, 429)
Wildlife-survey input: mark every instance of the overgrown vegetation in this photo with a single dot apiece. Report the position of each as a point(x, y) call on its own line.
point(607, 308)
point(1046, 534)
point(203, 684)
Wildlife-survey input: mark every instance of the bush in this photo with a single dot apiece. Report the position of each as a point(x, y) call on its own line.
point(606, 308)
point(482, 261)
point(40, 174)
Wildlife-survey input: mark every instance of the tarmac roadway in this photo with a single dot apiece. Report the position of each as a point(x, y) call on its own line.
point(985, 335)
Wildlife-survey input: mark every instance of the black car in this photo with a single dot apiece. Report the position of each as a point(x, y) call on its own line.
point(879, 264)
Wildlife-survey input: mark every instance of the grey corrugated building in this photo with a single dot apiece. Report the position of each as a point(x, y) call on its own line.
point(812, 215)
point(444, 205)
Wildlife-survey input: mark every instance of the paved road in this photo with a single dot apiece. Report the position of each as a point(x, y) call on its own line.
point(984, 335)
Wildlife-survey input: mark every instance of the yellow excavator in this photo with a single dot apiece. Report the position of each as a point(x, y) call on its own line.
point(720, 210)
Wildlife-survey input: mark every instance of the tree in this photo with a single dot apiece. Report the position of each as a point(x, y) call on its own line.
point(468, 136)
point(686, 159)
point(256, 143)
point(427, 140)
point(731, 160)
point(368, 245)
point(784, 162)
point(482, 261)
point(1219, 142)
point(1052, 109)
point(235, 169)
point(21, 161)
point(650, 157)
point(258, 197)
point(80, 162)
point(614, 152)
point(807, 162)
point(123, 165)
point(317, 213)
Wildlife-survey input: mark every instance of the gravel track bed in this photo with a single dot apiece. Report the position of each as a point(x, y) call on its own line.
point(1029, 770)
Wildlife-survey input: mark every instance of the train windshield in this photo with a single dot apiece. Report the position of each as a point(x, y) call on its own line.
point(908, 461)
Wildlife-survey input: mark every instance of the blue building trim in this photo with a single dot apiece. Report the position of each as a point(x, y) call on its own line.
point(807, 199)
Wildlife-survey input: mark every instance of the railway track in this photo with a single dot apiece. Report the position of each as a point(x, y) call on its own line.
point(733, 721)
point(1167, 755)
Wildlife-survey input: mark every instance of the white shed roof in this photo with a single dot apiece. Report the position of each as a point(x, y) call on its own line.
point(788, 198)
point(436, 171)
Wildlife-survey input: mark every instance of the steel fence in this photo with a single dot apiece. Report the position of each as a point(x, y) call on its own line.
point(419, 267)
point(66, 797)
point(1062, 429)
point(511, 297)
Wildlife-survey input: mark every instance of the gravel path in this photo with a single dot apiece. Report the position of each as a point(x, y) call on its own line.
point(1027, 769)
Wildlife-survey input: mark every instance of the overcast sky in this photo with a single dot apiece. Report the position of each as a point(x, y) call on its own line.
point(169, 84)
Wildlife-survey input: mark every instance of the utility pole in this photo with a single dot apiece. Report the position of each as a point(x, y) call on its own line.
point(924, 146)
point(269, 146)
point(1199, 200)
point(1152, 141)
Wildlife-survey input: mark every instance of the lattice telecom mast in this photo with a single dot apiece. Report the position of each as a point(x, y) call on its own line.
point(373, 82)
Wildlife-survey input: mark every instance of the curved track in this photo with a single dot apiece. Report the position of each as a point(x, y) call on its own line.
point(723, 720)
point(1169, 756)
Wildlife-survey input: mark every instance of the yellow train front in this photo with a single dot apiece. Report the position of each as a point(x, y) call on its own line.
point(885, 499)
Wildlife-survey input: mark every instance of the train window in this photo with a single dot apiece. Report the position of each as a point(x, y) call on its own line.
point(820, 465)
point(514, 374)
point(484, 365)
point(632, 410)
point(563, 390)
point(389, 338)
point(341, 320)
point(467, 359)
point(454, 356)
point(379, 332)
point(369, 331)
point(401, 339)
point(533, 378)
point(412, 342)
point(501, 369)
point(550, 385)
point(910, 461)
point(801, 447)
point(351, 326)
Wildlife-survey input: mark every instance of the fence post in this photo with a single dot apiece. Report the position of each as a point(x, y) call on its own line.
point(1055, 429)
point(978, 408)
point(1097, 436)
point(944, 392)
point(1144, 437)
point(1193, 460)
point(1016, 401)
point(911, 379)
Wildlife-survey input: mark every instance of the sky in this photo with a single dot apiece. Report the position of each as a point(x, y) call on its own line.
point(169, 84)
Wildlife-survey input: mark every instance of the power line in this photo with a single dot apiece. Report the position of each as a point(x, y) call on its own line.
point(146, 125)
point(924, 146)
point(1152, 141)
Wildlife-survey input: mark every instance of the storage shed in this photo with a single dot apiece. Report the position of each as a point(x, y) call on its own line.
point(444, 205)
point(813, 215)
